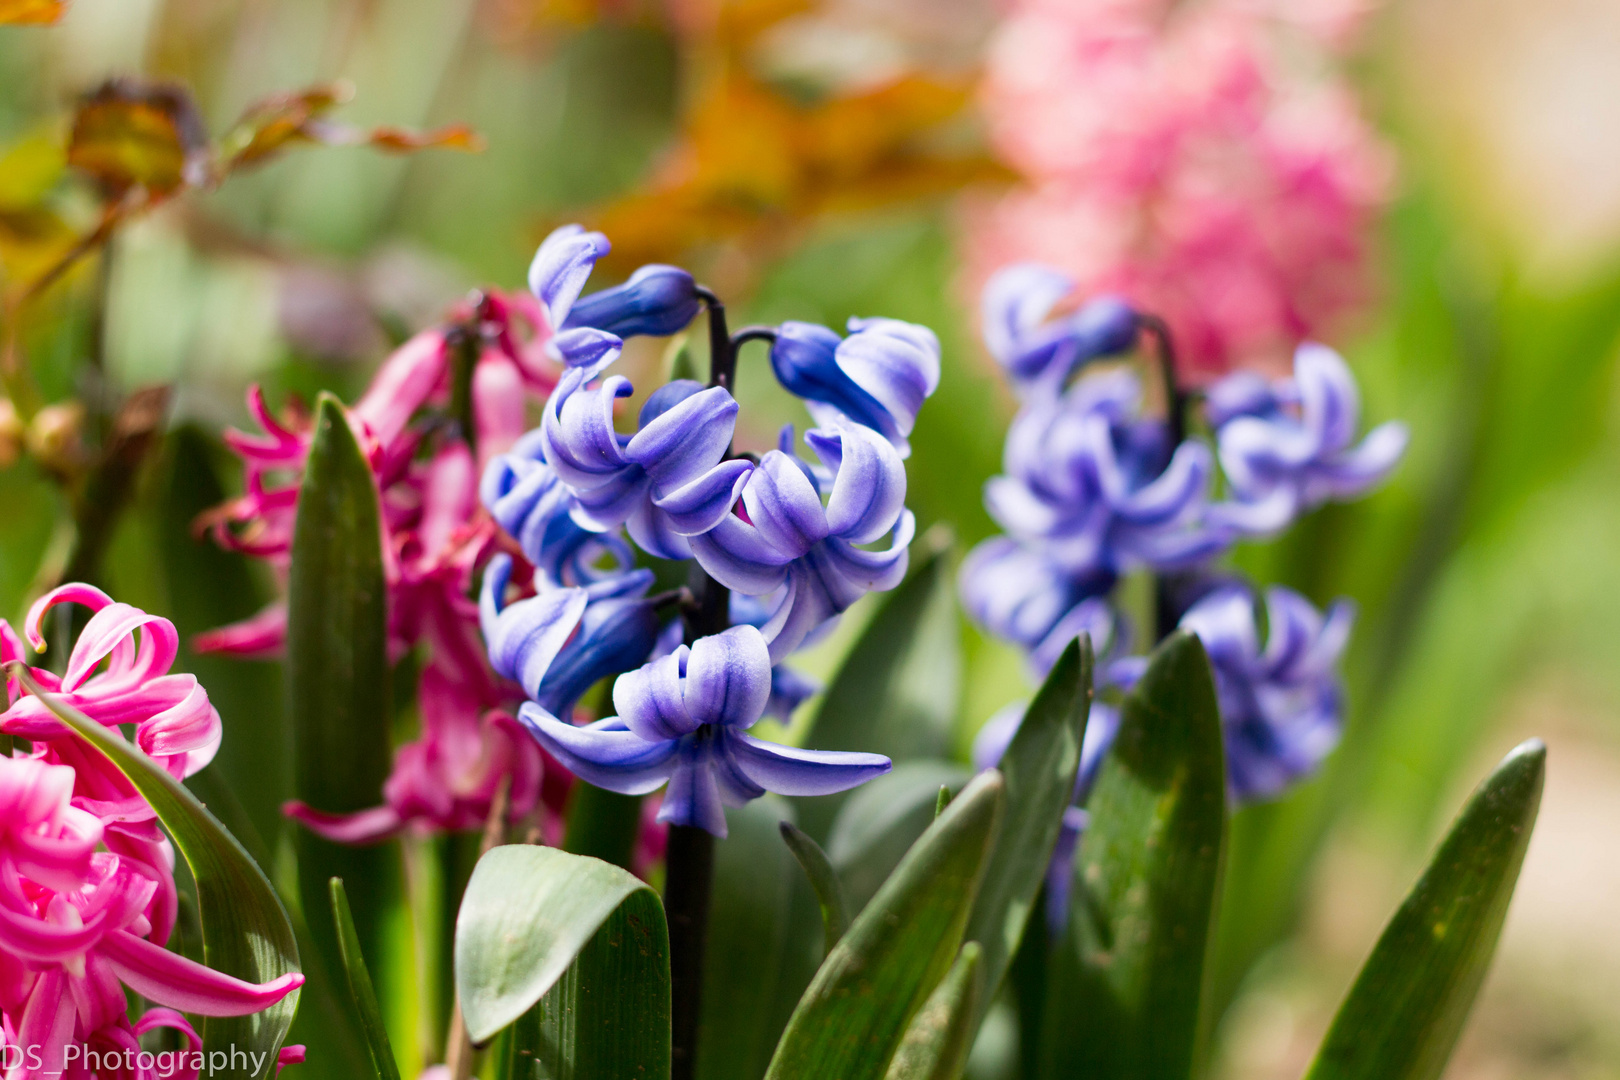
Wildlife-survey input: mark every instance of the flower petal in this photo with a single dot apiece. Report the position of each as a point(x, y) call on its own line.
point(728, 678)
point(561, 267)
point(789, 770)
point(783, 505)
point(650, 700)
point(687, 440)
point(606, 753)
point(869, 491)
point(170, 979)
point(739, 557)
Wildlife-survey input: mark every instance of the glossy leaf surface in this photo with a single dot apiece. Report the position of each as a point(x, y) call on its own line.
point(1039, 768)
point(574, 949)
point(1408, 1005)
point(851, 1020)
point(936, 1044)
point(338, 687)
point(1125, 982)
point(360, 988)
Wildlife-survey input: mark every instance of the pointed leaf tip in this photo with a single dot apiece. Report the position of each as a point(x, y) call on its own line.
point(1411, 999)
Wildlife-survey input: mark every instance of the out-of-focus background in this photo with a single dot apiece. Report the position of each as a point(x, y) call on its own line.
point(1435, 185)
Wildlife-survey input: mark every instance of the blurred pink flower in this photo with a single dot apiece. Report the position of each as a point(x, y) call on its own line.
point(435, 536)
point(1199, 159)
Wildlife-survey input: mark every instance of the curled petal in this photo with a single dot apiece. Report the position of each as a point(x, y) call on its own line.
point(402, 385)
point(789, 770)
point(651, 700)
point(700, 505)
point(896, 363)
point(693, 797)
point(869, 491)
point(605, 754)
point(371, 826)
point(728, 678)
point(737, 556)
point(170, 979)
point(687, 440)
point(524, 637)
point(561, 267)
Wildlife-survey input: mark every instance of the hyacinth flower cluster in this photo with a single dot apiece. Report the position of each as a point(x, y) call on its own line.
point(780, 546)
point(444, 404)
point(87, 890)
point(1096, 486)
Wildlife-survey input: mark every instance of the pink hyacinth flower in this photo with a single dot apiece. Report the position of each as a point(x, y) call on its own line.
point(174, 722)
point(1181, 157)
point(73, 933)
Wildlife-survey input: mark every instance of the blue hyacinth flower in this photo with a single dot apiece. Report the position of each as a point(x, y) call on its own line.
point(1019, 595)
point(559, 643)
point(528, 499)
point(808, 556)
point(878, 376)
point(682, 720)
point(666, 482)
point(1039, 352)
point(1289, 445)
point(1099, 490)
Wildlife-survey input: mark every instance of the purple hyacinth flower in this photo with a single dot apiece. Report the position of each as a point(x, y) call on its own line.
point(1099, 490)
point(1019, 595)
point(528, 499)
point(878, 376)
point(1282, 707)
point(664, 483)
point(1289, 445)
point(807, 554)
point(657, 301)
point(1039, 352)
point(682, 721)
point(559, 643)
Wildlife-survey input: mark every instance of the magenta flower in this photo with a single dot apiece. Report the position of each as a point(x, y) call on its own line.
point(174, 722)
point(74, 934)
point(1184, 158)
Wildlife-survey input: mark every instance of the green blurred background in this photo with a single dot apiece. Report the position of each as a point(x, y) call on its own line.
point(1486, 572)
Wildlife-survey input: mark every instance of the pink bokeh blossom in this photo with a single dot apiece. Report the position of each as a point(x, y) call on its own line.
point(1200, 159)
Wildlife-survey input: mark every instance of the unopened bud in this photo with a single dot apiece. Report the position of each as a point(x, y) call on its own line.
point(53, 438)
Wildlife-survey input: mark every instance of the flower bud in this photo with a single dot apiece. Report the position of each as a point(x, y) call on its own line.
point(53, 437)
point(657, 301)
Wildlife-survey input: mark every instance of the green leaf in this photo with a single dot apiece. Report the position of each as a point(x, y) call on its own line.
point(880, 822)
point(897, 692)
point(1039, 767)
point(338, 690)
point(850, 1021)
point(245, 929)
point(1408, 1005)
point(1127, 979)
point(752, 955)
point(365, 997)
point(936, 1044)
point(577, 944)
point(823, 879)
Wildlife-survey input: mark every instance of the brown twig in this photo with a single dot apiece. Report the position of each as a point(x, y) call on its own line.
point(458, 1056)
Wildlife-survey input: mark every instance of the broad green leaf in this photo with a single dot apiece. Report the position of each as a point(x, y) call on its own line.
point(897, 692)
point(1408, 1005)
point(936, 1044)
point(602, 824)
point(245, 929)
point(748, 959)
point(851, 1020)
point(818, 870)
point(1126, 981)
point(880, 822)
point(1039, 768)
point(577, 944)
point(338, 690)
point(360, 988)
